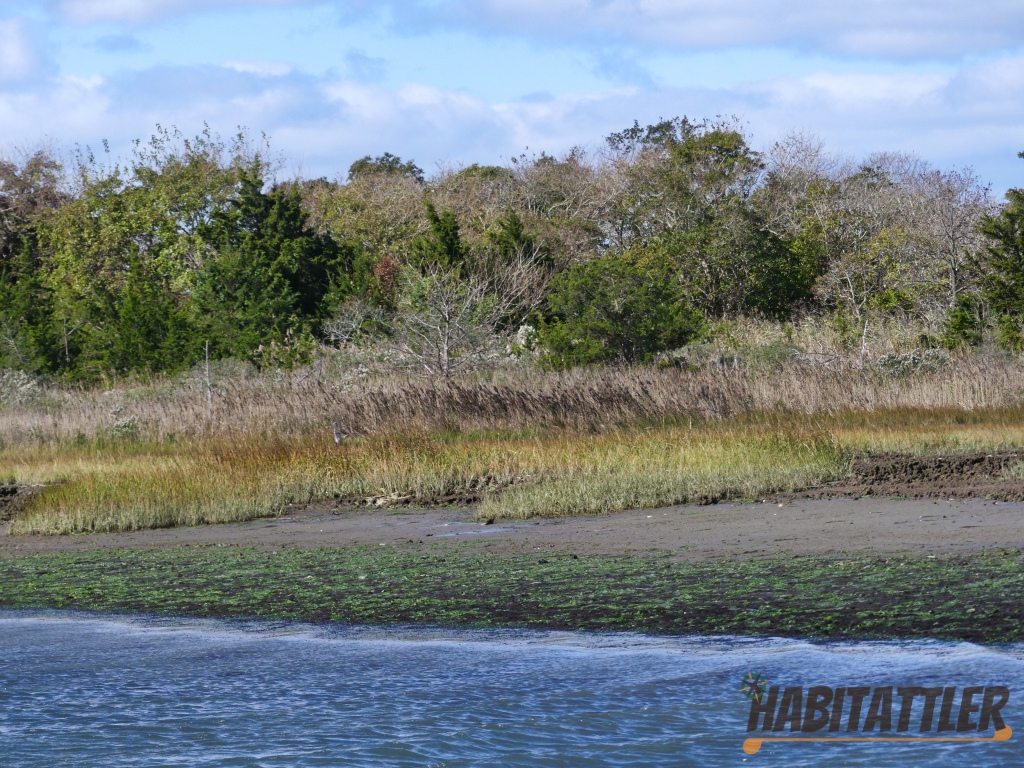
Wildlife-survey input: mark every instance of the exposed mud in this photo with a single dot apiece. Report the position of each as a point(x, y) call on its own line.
point(868, 525)
point(893, 503)
point(971, 476)
point(10, 497)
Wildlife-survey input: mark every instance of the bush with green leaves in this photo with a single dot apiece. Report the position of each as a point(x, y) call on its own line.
point(616, 308)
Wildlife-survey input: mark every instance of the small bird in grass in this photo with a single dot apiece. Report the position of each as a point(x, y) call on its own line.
point(339, 435)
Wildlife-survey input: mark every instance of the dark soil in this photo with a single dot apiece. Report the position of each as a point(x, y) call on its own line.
point(971, 476)
point(10, 495)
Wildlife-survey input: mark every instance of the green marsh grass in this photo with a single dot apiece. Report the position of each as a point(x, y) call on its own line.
point(512, 474)
point(515, 475)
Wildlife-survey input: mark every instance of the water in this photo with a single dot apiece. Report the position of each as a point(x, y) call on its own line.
point(109, 691)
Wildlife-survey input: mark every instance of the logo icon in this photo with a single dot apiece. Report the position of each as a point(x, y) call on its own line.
point(753, 686)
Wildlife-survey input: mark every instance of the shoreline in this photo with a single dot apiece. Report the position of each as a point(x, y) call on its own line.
point(954, 574)
point(811, 525)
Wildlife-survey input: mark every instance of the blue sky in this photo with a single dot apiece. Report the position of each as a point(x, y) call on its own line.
point(449, 82)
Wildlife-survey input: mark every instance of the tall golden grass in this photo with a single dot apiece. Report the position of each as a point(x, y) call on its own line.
point(522, 443)
point(522, 475)
point(304, 402)
point(127, 486)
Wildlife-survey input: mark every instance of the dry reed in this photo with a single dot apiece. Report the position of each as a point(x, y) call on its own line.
point(274, 406)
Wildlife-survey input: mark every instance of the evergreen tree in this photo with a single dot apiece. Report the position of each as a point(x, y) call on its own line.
point(271, 277)
point(149, 332)
point(619, 309)
point(1004, 287)
point(27, 338)
point(442, 246)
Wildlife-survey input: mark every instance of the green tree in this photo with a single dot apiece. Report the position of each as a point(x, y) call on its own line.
point(29, 193)
point(149, 330)
point(27, 337)
point(617, 308)
point(136, 229)
point(1004, 286)
point(965, 324)
point(272, 280)
point(689, 193)
point(442, 244)
point(386, 164)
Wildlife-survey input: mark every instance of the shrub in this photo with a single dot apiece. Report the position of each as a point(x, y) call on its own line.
point(616, 308)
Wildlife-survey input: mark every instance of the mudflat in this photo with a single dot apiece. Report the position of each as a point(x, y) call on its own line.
point(760, 530)
point(956, 504)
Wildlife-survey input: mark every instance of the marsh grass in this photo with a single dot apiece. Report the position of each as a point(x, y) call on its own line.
point(513, 473)
point(665, 468)
point(522, 443)
point(294, 405)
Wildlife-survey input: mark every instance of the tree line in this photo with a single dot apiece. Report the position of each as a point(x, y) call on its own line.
point(192, 248)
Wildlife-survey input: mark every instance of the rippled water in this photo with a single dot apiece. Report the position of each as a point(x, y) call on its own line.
point(82, 690)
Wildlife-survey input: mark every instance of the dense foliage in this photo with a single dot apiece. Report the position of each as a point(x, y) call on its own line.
point(617, 308)
point(190, 248)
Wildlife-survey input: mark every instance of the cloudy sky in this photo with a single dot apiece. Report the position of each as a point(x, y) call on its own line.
point(448, 82)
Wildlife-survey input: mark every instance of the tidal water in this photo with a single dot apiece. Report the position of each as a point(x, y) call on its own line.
point(87, 690)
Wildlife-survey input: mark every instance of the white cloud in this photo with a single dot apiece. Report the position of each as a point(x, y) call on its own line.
point(879, 28)
point(321, 124)
point(263, 68)
point(85, 11)
point(904, 30)
point(19, 58)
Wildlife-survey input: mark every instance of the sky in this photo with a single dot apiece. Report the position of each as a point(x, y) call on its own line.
point(451, 82)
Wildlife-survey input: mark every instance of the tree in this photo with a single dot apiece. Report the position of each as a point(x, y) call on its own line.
point(442, 244)
point(447, 320)
point(954, 203)
point(965, 323)
point(378, 214)
point(478, 194)
point(139, 228)
point(1004, 286)
point(454, 305)
point(688, 191)
point(29, 192)
point(865, 223)
point(385, 165)
point(27, 337)
point(616, 309)
point(679, 176)
point(148, 329)
point(564, 200)
point(272, 279)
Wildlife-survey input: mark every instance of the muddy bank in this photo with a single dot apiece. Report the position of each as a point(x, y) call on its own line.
point(758, 530)
point(979, 476)
point(977, 597)
point(10, 495)
point(889, 504)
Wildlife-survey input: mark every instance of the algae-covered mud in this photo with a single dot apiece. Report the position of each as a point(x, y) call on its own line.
point(977, 597)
